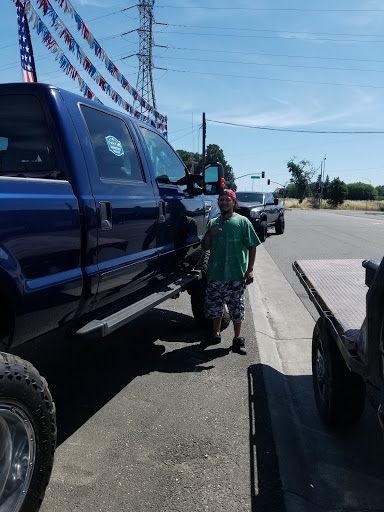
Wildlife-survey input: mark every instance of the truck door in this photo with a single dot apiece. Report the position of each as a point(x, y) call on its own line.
point(181, 218)
point(126, 205)
point(272, 209)
point(40, 228)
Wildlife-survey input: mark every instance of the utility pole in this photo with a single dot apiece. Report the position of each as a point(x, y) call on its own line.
point(322, 179)
point(144, 84)
point(204, 135)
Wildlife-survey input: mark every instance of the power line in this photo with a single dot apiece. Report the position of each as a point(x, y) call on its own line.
point(275, 37)
point(269, 30)
point(274, 65)
point(269, 128)
point(182, 136)
point(271, 54)
point(264, 9)
point(226, 75)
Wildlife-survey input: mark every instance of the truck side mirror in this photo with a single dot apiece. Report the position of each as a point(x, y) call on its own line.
point(214, 182)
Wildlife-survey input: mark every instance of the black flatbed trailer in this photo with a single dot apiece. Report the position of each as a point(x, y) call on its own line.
point(348, 338)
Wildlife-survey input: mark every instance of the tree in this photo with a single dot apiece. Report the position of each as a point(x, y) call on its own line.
point(302, 173)
point(380, 191)
point(337, 192)
point(361, 191)
point(193, 161)
point(325, 187)
point(291, 191)
point(215, 154)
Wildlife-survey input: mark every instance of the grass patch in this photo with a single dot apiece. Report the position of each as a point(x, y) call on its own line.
point(371, 206)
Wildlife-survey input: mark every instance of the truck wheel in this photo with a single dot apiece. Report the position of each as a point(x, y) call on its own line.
point(262, 231)
point(280, 225)
point(27, 435)
point(197, 303)
point(339, 393)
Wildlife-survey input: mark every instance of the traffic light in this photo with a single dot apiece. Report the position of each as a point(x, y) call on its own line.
point(282, 192)
point(262, 174)
point(222, 183)
point(319, 188)
point(269, 182)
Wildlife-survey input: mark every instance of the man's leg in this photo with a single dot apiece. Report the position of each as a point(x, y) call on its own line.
point(216, 324)
point(237, 329)
point(235, 301)
point(214, 311)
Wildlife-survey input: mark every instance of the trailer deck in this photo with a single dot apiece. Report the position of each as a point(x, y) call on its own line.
point(338, 288)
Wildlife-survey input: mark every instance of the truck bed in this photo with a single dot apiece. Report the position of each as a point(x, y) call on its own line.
point(338, 288)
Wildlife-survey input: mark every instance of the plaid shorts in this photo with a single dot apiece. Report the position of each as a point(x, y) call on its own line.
point(230, 292)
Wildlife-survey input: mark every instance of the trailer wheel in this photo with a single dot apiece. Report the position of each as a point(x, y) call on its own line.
point(339, 393)
point(27, 435)
point(197, 302)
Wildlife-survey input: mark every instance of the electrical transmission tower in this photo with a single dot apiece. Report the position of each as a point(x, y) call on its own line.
point(144, 85)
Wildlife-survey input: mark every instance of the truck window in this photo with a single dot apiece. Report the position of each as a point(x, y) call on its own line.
point(168, 168)
point(113, 147)
point(26, 149)
point(250, 197)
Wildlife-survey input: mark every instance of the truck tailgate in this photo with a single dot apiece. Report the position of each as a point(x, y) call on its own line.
point(337, 287)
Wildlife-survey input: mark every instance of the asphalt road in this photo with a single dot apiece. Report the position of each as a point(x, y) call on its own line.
point(148, 422)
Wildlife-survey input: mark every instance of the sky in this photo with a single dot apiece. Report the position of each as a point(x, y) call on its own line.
point(266, 75)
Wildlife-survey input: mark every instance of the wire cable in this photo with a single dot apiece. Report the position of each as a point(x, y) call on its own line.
point(272, 37)
point(269, 128)
point(226, 75)
point(270, 30)
point(264, 9)
point(270, 54)
point(273, 65)
point(182, 136)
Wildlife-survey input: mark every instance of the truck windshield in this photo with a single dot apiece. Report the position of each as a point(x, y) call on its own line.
point(250, 197)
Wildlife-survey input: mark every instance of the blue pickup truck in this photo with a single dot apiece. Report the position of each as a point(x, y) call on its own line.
point(100, 221)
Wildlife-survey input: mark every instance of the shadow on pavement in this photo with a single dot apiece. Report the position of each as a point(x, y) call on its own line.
point(266, 488)
point(320, 468)
point(84, 375)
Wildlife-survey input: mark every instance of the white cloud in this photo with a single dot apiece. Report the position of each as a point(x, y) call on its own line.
point(309, 113)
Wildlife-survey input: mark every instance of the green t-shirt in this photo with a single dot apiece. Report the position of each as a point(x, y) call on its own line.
point(228, 258)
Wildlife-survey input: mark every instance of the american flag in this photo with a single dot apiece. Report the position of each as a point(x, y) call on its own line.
point(27, 63)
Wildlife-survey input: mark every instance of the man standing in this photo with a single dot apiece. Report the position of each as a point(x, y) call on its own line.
point(232, 243)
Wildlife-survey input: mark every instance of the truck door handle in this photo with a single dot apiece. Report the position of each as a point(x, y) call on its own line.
point(105, 215)
point(161, 204)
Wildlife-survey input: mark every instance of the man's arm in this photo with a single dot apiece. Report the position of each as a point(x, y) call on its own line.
point(206, 241)
point(248, 277)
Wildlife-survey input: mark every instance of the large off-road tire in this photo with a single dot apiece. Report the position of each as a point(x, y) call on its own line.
point(280, 225)
point(27, 435)
point(198, 299)
point(339, 393)
point(262, 231)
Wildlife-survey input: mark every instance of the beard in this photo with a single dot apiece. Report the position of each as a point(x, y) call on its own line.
point(226, 211)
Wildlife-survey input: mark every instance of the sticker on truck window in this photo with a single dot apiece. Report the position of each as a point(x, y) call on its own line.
point(114, 145)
